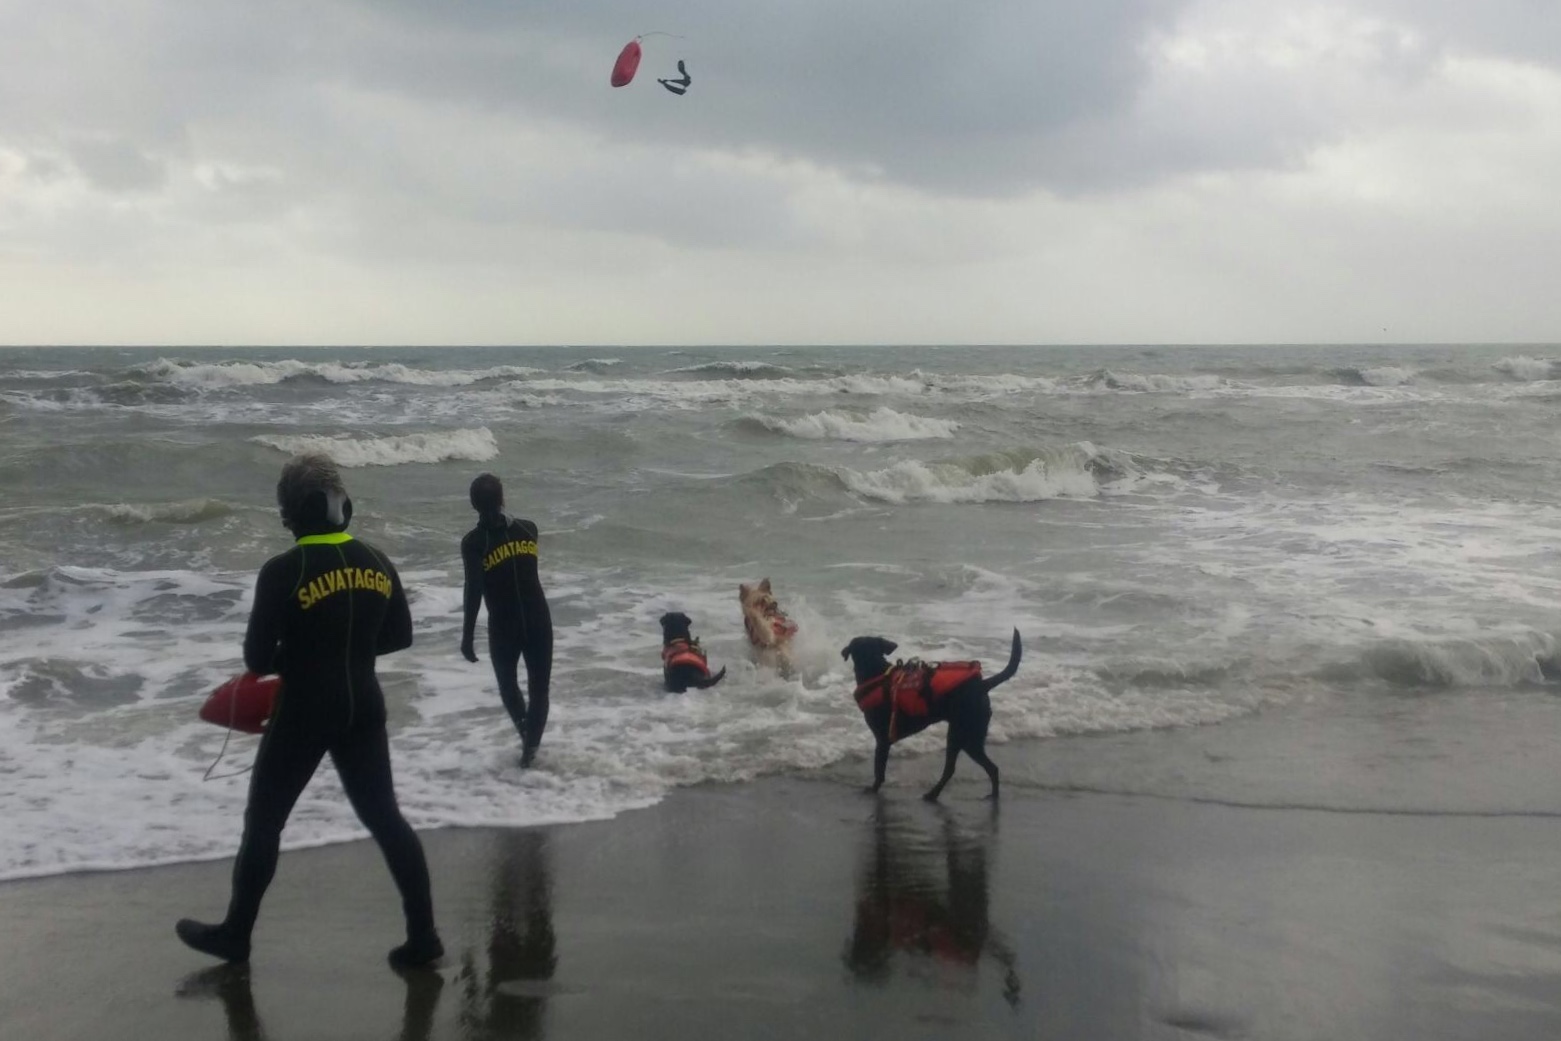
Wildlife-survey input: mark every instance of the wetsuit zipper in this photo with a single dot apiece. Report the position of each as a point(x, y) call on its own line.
point(520, 605)
point(352, 701)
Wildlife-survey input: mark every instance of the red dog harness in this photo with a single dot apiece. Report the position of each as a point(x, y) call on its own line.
point(913, 688)
point(781, 627)
point(684, 652)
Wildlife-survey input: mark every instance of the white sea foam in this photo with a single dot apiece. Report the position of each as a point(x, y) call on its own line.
point(636, 394)
point(187, 511)
point(72, 399)
point(1522, 367)
point(1387, 376)
point(1032, 480)
point(738, 369)
point(1488, 660)
point(221, 375)
point(642, 394)
point(40, 374)
point(119, 784)
point(476, 444)
point(1262, 558)
point(30, 402)
point(963, 386)
point(1157, 383)
point(102, 758)
point(883, 424)
point(1363, 394)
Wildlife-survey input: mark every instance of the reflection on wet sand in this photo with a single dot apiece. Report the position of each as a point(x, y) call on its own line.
point(230, 984)
point(510, 999)
point(922, 897)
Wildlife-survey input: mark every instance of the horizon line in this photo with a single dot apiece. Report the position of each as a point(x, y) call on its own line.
point(1115, 344)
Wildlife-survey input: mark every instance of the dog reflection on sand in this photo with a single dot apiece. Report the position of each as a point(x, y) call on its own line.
point(924, 895)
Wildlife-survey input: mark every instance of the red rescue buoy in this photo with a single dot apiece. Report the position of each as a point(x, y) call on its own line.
point(628, 63)
point(243, 703)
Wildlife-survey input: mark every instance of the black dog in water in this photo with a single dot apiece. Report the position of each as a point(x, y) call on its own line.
point(908, 697)
point(682, 659)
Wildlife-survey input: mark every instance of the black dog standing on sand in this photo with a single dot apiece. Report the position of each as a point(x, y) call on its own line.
point(683, 662)
point(906, 698)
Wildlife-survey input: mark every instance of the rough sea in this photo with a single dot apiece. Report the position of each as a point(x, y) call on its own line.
point(1356, 544)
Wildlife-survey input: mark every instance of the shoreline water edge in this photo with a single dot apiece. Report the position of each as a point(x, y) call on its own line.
point(1277, 762)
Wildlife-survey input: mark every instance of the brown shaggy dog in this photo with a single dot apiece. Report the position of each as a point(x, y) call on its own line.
point(769, 630)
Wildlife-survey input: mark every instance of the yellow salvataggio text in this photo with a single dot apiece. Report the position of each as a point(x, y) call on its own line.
point(342, 580)
point(518, 548)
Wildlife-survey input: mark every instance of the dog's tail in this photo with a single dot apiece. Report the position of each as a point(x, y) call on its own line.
point(1012, 666)
point(708, 681)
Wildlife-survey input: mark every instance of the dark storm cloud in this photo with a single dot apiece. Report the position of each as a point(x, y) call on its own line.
point(482, 113)
point(986, 99)
point(968, 99)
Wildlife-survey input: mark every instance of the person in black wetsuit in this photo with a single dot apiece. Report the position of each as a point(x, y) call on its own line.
point(323, 611)
point(500, 560)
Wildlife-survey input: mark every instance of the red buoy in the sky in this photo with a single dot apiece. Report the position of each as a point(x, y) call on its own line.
point(628, 63)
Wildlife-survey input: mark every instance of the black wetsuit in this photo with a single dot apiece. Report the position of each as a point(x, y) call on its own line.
point(500, 559)
point(323, 611)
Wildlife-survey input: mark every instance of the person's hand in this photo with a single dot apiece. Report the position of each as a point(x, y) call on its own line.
point(468, 651)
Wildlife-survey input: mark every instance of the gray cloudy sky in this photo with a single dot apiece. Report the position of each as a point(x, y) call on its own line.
point(1007, 171)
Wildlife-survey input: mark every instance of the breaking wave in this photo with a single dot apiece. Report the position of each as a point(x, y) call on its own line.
point(597, 365)
point(1155, 383)
point(223, 375)
point(741, 370)
point(1527, 369)
point(793, 482)
point(475, 444)
point(41, 374)
point(1380, 376)
point(1073, 471)
point(1495, 661)
point(187, 511)
point(883, 424)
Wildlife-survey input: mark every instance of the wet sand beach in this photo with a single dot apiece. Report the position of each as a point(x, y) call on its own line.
point(793, 907)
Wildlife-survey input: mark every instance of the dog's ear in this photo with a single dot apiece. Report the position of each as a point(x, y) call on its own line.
point(742, 591)
point(858, 645)
point(764, 586)
point(665, 619)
